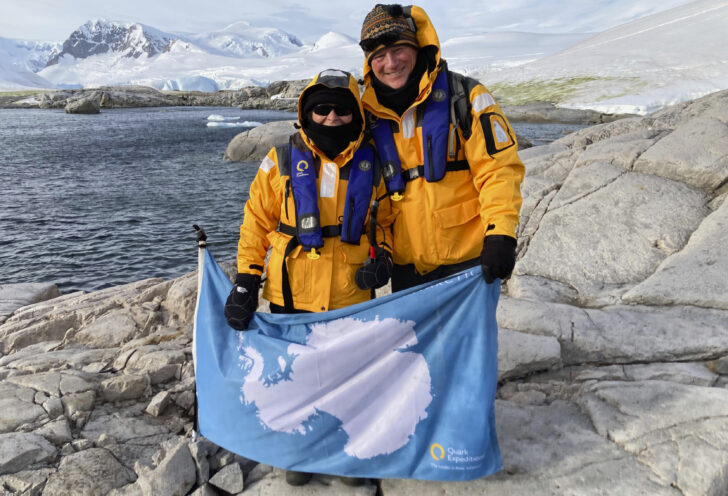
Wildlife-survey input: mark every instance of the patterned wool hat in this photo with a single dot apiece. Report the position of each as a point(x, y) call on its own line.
point(387, 25)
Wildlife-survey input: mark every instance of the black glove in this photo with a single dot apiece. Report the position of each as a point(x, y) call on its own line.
point(498, 257)
point(242, 301)
point(375, 273)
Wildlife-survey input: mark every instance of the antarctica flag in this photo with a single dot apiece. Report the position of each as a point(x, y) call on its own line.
point(402, 386)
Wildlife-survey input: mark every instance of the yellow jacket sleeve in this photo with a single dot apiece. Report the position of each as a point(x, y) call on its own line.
point(262, 212)
point(492, 153)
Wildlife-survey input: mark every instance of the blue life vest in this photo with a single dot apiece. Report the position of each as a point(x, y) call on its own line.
point(309, 232)
point(435, 129)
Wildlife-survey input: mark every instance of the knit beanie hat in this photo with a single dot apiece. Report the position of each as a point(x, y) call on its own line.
point(387, 25)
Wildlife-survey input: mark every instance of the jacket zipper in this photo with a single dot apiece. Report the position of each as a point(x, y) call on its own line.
point(348, 221)
point(430, 165)
point(285, 199)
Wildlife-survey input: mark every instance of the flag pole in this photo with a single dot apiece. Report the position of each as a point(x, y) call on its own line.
point(201, 248)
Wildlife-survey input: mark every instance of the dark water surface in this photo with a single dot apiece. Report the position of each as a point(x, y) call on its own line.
point(91, 201)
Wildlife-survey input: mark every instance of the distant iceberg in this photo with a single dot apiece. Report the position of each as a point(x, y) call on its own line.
point(214, 123)
point(190, 83)
point(221, 118)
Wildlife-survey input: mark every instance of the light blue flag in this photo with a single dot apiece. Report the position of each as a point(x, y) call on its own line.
point(398, 387)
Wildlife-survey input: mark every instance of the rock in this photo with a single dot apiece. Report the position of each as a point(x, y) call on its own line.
point(26, 482)
point(520, 354)
point(15, 296)
point(17, 407)
point(694, 276)
point(229, 479)
point(174, 475)
point(158, 403)
point(662, 215)
point(122, 427)
point(54, 407)
point(548, 112)
point(254, 144)
point(124, 387)
point(669, 428)
point(92, 471)
point(204, 490)
point(621, 334)
point(19, 451)
point(77, 405)
point(108, 331)
point(182, 296)
point(56, 431)
point(321, 485)
point(694, 153)
point(82, 106)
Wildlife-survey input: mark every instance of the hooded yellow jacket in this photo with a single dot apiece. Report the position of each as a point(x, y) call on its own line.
point(444, 222)
point(316, 285)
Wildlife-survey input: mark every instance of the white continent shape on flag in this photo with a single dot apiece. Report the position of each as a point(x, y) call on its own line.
point(359, 372)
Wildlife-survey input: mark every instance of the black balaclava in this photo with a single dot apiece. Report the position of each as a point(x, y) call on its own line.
point(331, 140)
point(400, 99)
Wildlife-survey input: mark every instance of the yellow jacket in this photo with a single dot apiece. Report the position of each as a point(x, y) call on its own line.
point(317, 285)
point(444, 222)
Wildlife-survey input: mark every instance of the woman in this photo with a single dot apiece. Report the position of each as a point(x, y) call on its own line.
point(310, 201)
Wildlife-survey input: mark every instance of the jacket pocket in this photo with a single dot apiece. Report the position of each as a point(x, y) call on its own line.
point(299, 268)
point(458, 232)
point(350, 258)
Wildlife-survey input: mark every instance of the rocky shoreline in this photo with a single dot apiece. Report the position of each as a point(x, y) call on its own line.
point(613, 344)
point(279, 95)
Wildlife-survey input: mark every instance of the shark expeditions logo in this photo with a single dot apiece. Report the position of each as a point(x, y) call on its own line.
point(448, 458)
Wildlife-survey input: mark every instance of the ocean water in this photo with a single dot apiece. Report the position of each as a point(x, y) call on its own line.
point(92, 201)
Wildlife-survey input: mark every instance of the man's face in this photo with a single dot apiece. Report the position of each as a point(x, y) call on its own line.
point(393, 65)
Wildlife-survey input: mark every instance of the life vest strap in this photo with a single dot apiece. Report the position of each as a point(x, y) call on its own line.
point(419, 171)
point(326, 231)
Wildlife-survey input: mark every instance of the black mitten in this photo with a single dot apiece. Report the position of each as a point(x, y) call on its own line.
point(242, 301)
point(375, 273)
point(497, 257)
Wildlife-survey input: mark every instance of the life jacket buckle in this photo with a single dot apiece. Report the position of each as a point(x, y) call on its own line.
point(396, 196)
point(313, 254)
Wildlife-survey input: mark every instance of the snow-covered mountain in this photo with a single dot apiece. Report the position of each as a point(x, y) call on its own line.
point(20, 60)
point(240, 39)
point(638, 67)
point(333, 40)
point(124, 39)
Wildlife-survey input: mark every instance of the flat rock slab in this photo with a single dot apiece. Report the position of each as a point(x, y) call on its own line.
point(17, 407)
point(621, 334)
point(520, 354)
point(678, 431)
point(21, 450)
point(695, 153)
point(583, 243)
point(92, 471)
point(14, 296)
point(548, 450)
point(697, 275)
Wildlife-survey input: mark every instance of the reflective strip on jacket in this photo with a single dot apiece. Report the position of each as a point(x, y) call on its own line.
point(444, 222)
point(317, 285)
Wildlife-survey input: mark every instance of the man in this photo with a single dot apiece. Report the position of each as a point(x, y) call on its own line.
point(449, 155)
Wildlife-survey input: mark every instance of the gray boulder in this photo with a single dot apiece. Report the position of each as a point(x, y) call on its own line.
point(83, 106)
point(254, 144)
point(14, 296)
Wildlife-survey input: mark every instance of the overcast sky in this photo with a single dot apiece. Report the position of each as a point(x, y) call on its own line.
point(54, 20)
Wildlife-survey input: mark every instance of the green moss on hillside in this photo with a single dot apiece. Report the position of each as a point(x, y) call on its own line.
point(560, 90)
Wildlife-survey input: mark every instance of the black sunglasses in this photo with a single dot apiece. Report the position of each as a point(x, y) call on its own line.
point(326, 108)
